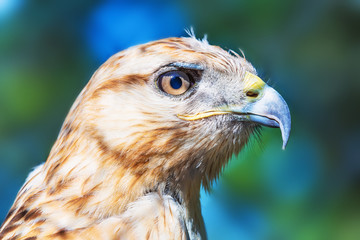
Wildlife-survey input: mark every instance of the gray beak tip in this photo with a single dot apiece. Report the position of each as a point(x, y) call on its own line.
point(285, 128)
point(284, 145)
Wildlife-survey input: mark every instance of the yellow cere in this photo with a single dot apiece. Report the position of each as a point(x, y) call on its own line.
point(253, 82)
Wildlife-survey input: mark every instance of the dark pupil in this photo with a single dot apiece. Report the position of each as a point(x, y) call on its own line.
point(175, 82)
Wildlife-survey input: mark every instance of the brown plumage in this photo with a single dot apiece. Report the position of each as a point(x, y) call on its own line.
point(154, 123)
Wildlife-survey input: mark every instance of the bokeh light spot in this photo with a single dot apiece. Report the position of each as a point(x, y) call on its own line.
point(115, 26)
point(8, 7)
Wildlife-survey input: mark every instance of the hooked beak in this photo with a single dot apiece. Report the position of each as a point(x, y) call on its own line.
point(265, 106)
point(271, 111)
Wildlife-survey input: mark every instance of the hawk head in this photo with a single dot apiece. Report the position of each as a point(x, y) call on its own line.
point(162, 117)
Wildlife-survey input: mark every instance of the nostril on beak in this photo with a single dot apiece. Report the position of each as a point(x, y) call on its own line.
point(252, 93)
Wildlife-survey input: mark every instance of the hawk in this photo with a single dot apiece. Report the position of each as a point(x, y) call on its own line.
point(154, 123)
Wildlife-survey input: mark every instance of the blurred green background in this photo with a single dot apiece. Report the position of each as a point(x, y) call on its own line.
point(308, 50)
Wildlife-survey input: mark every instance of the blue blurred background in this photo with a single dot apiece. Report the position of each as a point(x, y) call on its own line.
point(308, 50)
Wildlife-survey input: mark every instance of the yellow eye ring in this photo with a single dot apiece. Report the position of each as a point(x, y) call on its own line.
point(174, 82)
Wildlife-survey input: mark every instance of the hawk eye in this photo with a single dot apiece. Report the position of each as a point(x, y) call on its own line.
point(174, 82)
